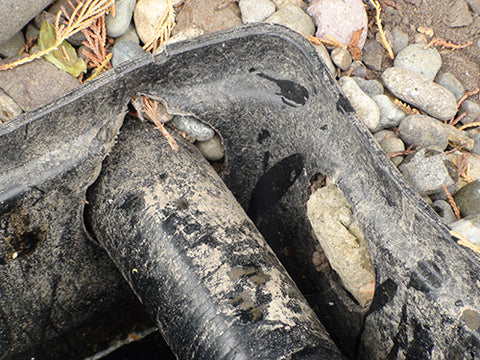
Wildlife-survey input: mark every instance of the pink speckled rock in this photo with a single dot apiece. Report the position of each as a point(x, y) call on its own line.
point(339, 19)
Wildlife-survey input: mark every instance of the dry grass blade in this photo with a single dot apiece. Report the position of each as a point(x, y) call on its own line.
point(469, 125)
point(455, 120)
point(383, 38)
point(150, 108)
point(164, 29)
point(328, 42)
point(467, 95)
point(463, 241)
point(82, 17)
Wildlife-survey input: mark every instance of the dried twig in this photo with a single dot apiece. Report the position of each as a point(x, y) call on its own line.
point(163, 30)
point(82, 17)
point(447, 44)
point(99, 69)
point(467, 95)
point(469, 125)
point(28, 44)
point(463, 241)
point(408, 151)
point(452, 203)
point(392, 4)
point(328, 42)
point(456, 148)
point(383, 38)
point(455, 120)
point(95, 43)
point(150, 109)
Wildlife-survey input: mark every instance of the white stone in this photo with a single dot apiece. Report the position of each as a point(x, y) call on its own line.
point(342, 240)
point(147, 15)
point(118, 25)
point(420, 92)
point(293, 17)
point(341, 58)
point(255, 10)
point(325, 56)
point(366, 109)
point(212, 149)
point(339, 19)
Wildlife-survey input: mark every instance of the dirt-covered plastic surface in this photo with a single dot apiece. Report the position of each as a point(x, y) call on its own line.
point(189, 251)
point(282, 119)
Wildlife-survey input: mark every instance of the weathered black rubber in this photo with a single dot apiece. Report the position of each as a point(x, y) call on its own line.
point(266, 92)
point(61, 297)
point(427, 299)
point(194, 258)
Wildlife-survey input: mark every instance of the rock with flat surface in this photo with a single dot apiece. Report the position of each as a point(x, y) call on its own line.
point(342, 240)
point(255, 10)
point(423, 131)
point(420, 92)
point(26, 84)
point(428, 170)
point(204, 16)
point(293, 17)
point(366, 109)
point(16, 14)
point(423, 61)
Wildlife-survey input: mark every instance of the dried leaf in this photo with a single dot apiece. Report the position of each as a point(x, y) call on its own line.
point(353, 48)
point(425, 30)
point(405, 107)
point(65, 57)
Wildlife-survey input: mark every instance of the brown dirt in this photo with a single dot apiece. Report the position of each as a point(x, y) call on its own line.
point(439, 16)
